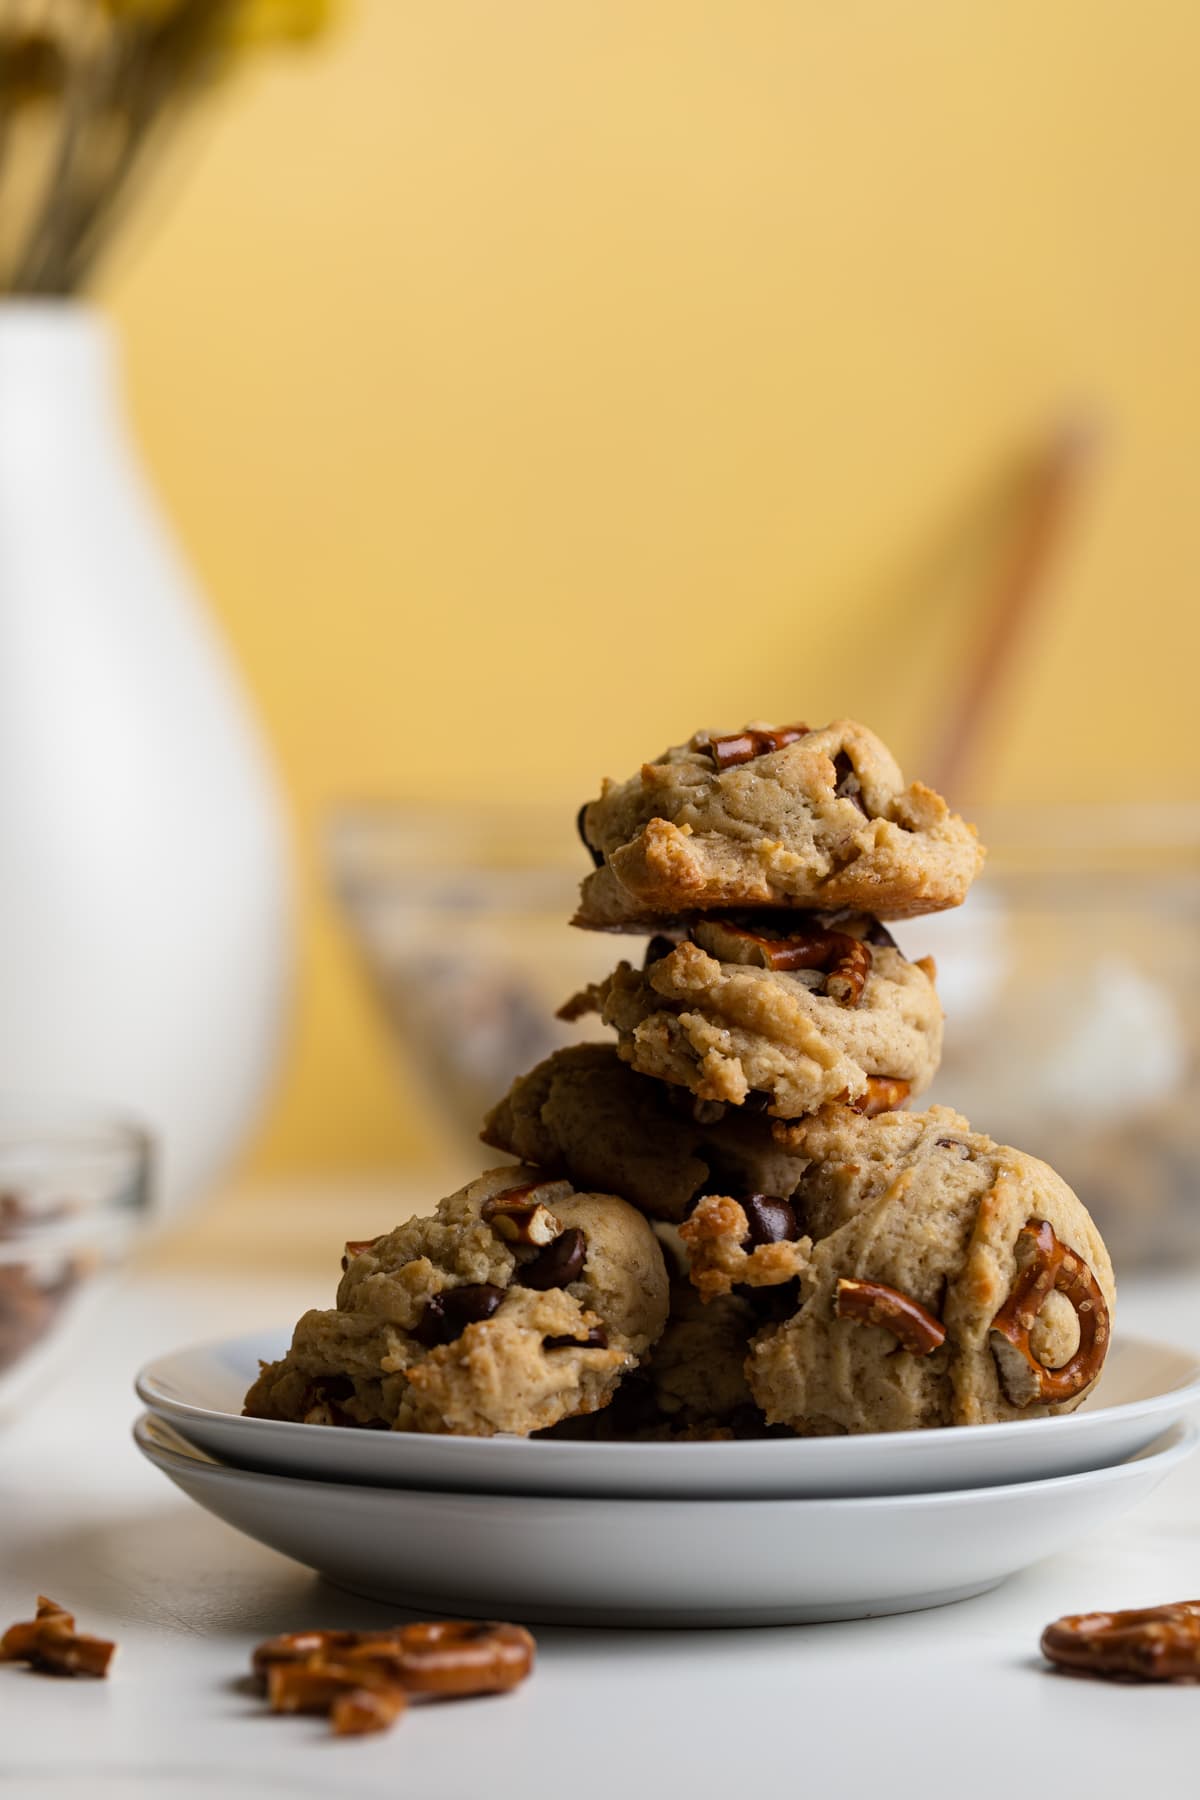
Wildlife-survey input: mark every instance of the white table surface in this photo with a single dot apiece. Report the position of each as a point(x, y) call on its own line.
point(956, 1699)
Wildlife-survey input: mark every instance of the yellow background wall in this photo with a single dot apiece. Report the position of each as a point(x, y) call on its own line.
point(533, 381)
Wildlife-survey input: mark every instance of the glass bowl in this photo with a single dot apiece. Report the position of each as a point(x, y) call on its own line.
point(460, 915)
point(74, 1198)
point(1071, 983)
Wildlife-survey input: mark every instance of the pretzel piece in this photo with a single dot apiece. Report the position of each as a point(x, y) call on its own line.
point(438, 1656)
point(874, 1303)
point(463, 1656)
point(884, 1093)
point(355, 1247)
point(357, 1698)
point(745, 746)
point(1157, 1643)
point(845, 958)
point(51, 1643)
point(520, 1219)
point(1044, 1265)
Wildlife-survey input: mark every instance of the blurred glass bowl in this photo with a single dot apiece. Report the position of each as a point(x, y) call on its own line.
point(1070, 978)
point(1071, 983)
point(460, 914)
point(74, 1197)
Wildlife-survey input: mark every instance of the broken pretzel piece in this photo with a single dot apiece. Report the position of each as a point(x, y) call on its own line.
point(745, 746)
point(355, 1247)
point(1157, 1643)
point(1045, 1264)
point(874, 1303)
point(884, 1093)
point(362, 1679)
point(51, 1643)
point(845, 959)
point(519, 1218)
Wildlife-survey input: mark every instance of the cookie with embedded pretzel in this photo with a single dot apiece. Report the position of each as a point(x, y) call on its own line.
point(585, 1114)
point(944, 1280)
point(517, 1303)
point(772, 816)
point(792, 1013)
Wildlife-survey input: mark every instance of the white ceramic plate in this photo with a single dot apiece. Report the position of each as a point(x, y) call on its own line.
point(660, 1562)
point(1145, 1388)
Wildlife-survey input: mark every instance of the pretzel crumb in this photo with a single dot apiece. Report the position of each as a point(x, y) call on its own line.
point(50, 1644)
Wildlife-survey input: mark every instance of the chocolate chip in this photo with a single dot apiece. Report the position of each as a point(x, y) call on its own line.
point(756, 1101)
point(597, 856)
point(771, 1220)
point(846, 784)
point(334, 1387)
point(955, 1144)
point(559, 1263)
point(881, 936)
point(772, 1304)
point(596, 1339)
point(657, 948)
point(449, 1313)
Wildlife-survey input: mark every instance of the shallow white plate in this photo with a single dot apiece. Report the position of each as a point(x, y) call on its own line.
point(660, 1562)
point(1145, 1387)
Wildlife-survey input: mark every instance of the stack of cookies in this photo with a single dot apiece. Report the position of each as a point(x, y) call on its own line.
point(725, 1223)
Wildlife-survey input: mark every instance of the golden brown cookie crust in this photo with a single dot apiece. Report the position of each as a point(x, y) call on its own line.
point(826, 822)
point(727, 1030)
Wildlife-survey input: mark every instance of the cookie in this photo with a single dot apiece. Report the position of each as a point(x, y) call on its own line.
point(697, 1370)
point(692, 1386)
point(585, 1114)
point(947, 1280)
point(517, 1303)
point(731, 1029)
point(772, 817)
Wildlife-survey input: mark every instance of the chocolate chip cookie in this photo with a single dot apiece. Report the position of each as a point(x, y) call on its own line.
point(795, 1014)
point(772, 816)
point(692, 1386)
point(945, 1280)
point(517, 1303)
point(585, 1114)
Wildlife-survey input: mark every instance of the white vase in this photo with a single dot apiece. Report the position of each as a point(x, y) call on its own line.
point(145, 929)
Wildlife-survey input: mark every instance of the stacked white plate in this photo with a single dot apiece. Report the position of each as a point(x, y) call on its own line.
point(765, 1532)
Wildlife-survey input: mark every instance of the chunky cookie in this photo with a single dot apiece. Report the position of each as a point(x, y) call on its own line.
point(692, 1386)
point(772, 817)
point(585, 1114)
point(800, 1013)
point(946, 1280)
point(517, 1303)
point(697, 1370)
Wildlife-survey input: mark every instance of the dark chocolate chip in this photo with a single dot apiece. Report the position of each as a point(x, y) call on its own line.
point(558, 1264)
point(597, 856)
point(955, 1144)
point(771, 1220)
point(596, 1339)
point(756, 1102)
point(449, 1313)
point(846, 786)
point(334, 1387)
point(772, 1304)
point(880, 936)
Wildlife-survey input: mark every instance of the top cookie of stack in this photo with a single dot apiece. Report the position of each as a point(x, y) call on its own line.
point(764, 861)
point(772, 816)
